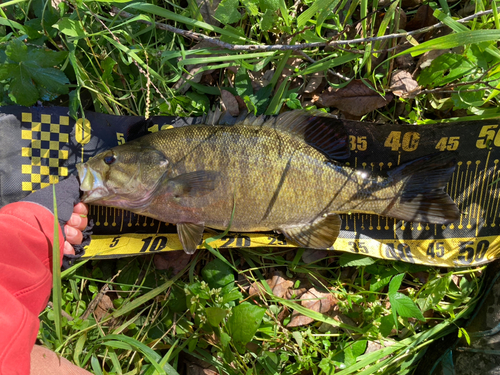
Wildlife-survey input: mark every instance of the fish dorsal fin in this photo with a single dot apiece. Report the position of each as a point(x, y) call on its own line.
point(319, 234)
point(193, 184)
point(190, 235)
point(318, 129)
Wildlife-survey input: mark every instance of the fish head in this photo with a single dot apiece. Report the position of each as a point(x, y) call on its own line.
point(125, 176)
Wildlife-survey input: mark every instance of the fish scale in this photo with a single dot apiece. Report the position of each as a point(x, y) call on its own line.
point(278, 175)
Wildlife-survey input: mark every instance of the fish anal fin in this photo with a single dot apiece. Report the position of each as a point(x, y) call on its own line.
point(193, 184)
point(190, 235)
point(319, 130)
point(319, 234)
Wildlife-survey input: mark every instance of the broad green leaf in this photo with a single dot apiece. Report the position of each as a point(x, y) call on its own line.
point(272, 5)
point(7, 70)
point(53, 80)
point(70, 27)
point(244, 323)
point(386, 324)
point(452, 41)
point(217, 274)
point(464, 99)
point(243, 83)
point(227, 12)
point(215, 315)
point(22, 87)
point(445, 69)
point(395, 284)
point(46, 59)
point(405, 307)
point(352, 352)
point(268, 19)
point(177, 300)
point(251, 7)
point(355, 260)
point(16, 51)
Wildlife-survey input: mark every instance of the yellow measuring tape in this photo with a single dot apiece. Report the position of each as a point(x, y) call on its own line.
point(452, 252)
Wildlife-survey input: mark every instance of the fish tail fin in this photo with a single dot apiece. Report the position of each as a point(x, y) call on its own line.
point(422, 197)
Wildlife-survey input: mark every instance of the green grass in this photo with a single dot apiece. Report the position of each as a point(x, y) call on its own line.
point(84, 55)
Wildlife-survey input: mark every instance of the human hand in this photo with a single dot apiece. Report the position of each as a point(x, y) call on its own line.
point(74, 227)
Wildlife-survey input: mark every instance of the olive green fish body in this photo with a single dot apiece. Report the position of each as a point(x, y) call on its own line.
point(274, 175)
point(270, 178)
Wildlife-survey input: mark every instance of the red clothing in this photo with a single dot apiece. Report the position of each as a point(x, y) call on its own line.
point(26, 233)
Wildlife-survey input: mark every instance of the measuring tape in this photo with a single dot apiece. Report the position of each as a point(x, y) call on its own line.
point(38, 146)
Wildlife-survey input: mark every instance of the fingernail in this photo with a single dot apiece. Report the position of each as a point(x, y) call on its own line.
point(70, 231)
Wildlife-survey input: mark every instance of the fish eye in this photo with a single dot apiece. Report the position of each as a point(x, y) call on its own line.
point(109, 159)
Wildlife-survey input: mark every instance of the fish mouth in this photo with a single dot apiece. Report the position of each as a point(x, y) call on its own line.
point(91, 184)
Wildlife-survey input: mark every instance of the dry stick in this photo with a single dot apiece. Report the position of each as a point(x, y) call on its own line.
point(286, 47)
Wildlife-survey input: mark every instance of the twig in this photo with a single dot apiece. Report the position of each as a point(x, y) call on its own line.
point(287, 47)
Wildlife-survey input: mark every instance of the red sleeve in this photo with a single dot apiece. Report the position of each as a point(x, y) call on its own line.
point(26, 233)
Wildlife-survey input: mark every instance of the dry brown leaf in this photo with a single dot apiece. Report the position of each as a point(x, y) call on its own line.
point(105, 304)
point(230, 103)
point(194, 369)
point(183, 85)
point(426, 59)
point(207, 9)
point(176, 260)
point(356, 99)
point(313, 300)
point(423, 18)
point(314, 81)
point(403, 85)
point(310, 255)
point(278, 284)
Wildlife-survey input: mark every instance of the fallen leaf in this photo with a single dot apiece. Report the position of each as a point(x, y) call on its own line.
point(310, 255)
point(313, 300)
point(192, 369)
point(207, 10)
point(410, 3)
point(356, 99)
point(183, 85)
point(230, 103)
point(403, 85)
point(278, 284)
point(314, 81)
point(176, 260)
point(426, 59)
point(423, 18)
point(373, 346)
point(105, 304)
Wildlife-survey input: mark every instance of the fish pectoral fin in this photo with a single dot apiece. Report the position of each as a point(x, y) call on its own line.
point(193, 184)
point(191, 236)
point(319, 234)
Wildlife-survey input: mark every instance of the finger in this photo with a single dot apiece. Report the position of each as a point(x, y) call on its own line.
point(78, 222)
point(81, 208)
point(68, 249)
point(73, 235)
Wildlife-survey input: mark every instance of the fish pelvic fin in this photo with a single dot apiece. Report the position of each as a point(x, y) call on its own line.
point(319, 234)
point(190, 235)
point(320, 130)
point(422, 197)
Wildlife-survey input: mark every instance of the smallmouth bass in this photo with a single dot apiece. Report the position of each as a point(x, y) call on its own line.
point(282, 174)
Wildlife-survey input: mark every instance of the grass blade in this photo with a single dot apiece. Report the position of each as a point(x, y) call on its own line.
point(56, 274)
